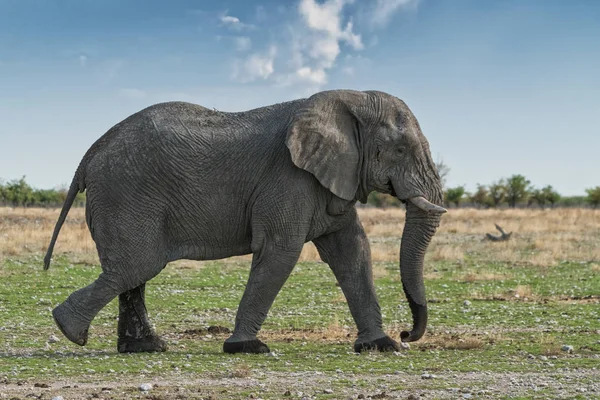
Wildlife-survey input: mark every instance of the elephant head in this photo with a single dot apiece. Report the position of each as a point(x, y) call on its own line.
point(357, 142)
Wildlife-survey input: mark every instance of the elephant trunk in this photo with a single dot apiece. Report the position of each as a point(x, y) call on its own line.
point(419, 228)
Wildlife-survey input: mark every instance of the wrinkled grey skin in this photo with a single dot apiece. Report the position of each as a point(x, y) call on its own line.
point(180, 181)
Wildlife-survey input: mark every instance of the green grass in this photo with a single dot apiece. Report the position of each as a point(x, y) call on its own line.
point(311, 331)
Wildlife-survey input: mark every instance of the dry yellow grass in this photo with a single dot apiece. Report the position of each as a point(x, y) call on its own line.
point(541, 237)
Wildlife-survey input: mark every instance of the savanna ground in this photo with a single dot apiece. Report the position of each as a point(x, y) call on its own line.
point(500, 314)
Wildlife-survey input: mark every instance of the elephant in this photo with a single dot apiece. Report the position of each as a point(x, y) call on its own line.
point(180, 181)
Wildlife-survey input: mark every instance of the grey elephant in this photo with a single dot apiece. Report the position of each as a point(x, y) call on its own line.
point(180, 181)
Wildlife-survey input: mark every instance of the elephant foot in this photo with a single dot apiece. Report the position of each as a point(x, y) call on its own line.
point(385, 343)
point(72, 327)
point(249, 346)
point(148, 344)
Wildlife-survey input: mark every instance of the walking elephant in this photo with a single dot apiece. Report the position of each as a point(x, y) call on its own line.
point(180, 181)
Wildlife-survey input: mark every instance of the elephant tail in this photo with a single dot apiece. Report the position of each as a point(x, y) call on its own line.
point(77, 185)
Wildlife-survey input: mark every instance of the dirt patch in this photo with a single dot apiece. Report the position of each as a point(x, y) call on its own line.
point(255, 384)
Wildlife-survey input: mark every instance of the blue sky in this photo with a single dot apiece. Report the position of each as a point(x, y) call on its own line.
point(499, 87)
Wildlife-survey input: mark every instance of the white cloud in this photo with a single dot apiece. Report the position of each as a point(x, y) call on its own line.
point(385, 9)
point(83, 60)
point(132, 93)
point(326, 19)
point(316, 76)
point(229, 20)
point(234, 23)
point(311, 44)
point(243, 43)
point(319, 44)
point(255, 66)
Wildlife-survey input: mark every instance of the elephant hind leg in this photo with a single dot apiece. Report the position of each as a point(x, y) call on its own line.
point(135, 331)
point(75, 314)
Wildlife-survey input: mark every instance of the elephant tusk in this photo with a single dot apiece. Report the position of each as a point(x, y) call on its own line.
point(426, 206)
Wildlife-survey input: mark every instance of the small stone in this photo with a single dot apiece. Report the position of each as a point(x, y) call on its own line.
point(53, 339)
point(58, 398)
point(41, 385)
point(272, 354)
point(328, 391)
point(412, 397)
point(405, 345)
point(582, 390)
point(566, 348)
point(466, 303)
point(287, 393)
point(144, 387)
point(428, 376)
point(361, 396)
point(531, 356)
point(543, 358)
point(467, 395)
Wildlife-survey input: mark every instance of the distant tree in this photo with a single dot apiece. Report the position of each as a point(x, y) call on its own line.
point(517, 189)
point(455, 195)
point(572, 201)
point(481, 196)
point(46, 197)
point(3, 198)
point(538, 196)
point(443, 170)
point(593, 196)
point(551, 195)
point(497, 192)
point(19, 193)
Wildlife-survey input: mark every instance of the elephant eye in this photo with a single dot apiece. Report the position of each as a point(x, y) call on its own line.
point(400, 150)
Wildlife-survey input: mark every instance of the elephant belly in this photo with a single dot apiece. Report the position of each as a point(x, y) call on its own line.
point(208, 235)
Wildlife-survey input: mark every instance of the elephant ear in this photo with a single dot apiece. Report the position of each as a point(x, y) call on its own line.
point(324, 139)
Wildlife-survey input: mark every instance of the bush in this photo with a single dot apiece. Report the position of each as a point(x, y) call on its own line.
point(455, 195)
point(18, 193)
point(593, 196)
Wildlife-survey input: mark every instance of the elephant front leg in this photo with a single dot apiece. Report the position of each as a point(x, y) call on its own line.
point(134, 329)
point(270, 270)
point(348, 254)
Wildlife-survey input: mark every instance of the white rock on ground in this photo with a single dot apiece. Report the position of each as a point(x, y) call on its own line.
point(144, 387)
point(567, 348)
point(53, 339)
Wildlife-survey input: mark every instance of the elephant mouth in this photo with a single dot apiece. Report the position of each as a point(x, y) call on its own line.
point(390, 188)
